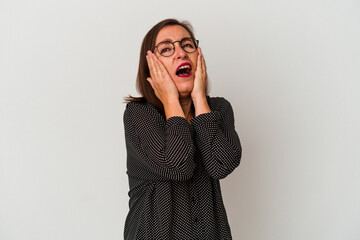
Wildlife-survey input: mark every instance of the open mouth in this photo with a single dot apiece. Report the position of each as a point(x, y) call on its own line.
point(184, 70)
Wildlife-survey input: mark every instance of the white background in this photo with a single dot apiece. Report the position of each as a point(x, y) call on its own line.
point(291, 70)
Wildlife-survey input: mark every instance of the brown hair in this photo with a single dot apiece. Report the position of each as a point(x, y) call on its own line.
point(142, 85)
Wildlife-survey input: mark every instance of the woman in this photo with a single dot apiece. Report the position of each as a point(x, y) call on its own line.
point(179, 141)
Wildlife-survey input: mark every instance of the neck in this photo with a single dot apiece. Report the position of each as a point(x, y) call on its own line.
point(186, 105)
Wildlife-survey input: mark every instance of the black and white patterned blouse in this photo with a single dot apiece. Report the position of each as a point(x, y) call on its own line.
point(174, 169)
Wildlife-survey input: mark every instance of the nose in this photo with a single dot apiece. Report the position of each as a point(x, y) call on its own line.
point(179, 52)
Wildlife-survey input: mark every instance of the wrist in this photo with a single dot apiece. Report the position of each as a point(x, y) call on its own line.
point(173, 108)
point(198, 98)
point(201, 105)
point(170, 100)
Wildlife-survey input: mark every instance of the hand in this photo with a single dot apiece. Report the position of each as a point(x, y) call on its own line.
point(199, 90)
point(198, 94)
point(160, 80)
point(164, 87)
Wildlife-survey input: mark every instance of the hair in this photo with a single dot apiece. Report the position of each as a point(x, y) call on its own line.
point(142, 85)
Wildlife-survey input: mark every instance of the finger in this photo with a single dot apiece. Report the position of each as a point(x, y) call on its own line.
point(198, 58)
point(203, 63)
point(155, 63)
point(150, 64)
point(199, 64)
point(148, 57)
point(158, 63)
point(153, 60)
point(151, 83)
point(202, 59)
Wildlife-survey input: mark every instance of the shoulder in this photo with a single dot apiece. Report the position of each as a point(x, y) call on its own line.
point(142, 111)
point(218, 104)
point(133, 106)
point(140, 106)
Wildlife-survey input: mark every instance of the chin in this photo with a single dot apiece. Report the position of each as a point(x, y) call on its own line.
point(185, 88)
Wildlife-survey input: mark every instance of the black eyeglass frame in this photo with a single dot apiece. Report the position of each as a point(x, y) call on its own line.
point(173, 43)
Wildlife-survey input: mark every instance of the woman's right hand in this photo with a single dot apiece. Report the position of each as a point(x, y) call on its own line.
point(160, 80)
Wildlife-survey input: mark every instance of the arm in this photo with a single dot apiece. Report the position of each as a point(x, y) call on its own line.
point(157, 150)
point(217, 140)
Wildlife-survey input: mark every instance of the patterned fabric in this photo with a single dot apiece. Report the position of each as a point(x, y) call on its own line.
point(174, 169)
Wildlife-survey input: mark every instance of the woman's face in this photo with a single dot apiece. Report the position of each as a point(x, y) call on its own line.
point(183, 81)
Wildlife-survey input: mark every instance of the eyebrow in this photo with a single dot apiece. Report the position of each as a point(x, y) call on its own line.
point(170, 40)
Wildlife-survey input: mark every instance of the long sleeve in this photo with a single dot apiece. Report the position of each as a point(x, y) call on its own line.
point(157, 150)
point(217, 139)
point(173, 169)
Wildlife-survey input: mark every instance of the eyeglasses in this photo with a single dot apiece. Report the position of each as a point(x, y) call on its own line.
point(167, 48)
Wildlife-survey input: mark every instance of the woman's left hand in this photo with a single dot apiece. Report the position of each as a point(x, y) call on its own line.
point(198, 94)
point(199, 90)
